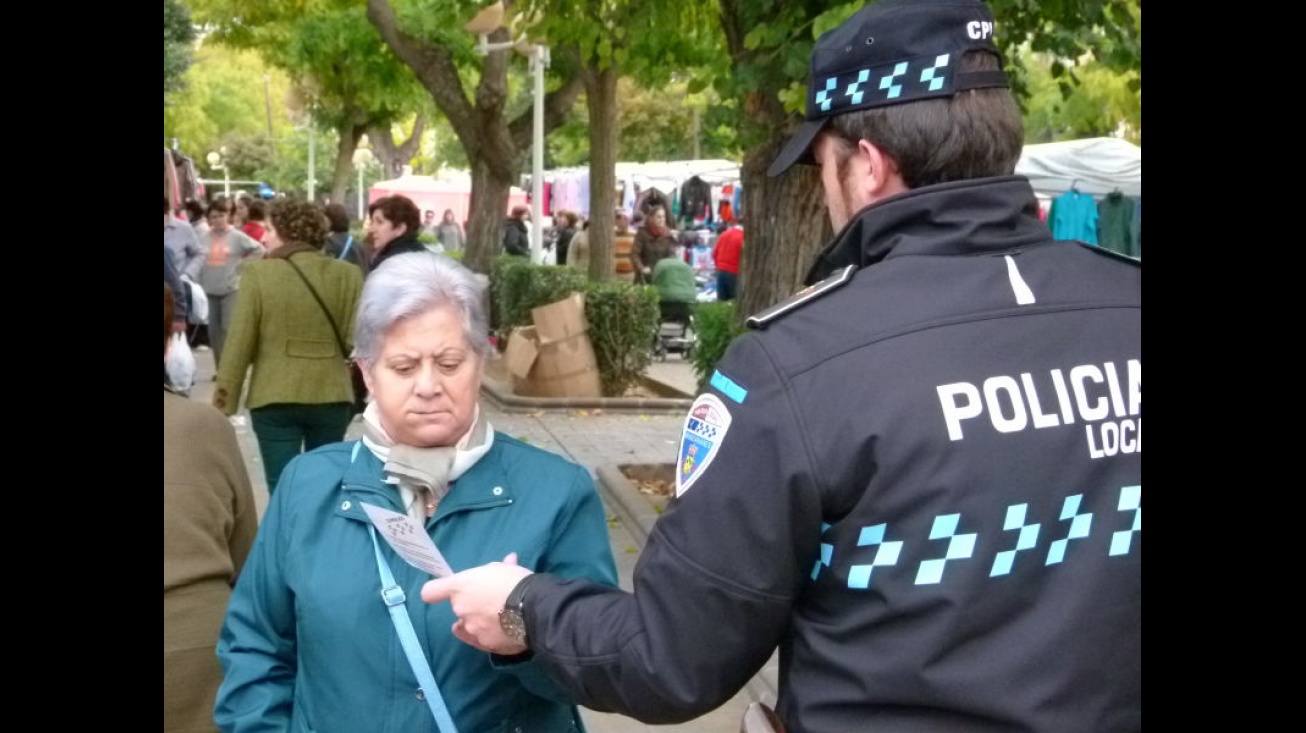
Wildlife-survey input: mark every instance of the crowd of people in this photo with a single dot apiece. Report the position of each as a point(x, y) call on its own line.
point(905, 477)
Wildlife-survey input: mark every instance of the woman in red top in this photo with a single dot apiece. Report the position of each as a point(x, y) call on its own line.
point(255, 214)
point(725, 257)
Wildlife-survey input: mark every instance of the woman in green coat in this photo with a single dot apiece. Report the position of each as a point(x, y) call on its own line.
point(308, 641)
point(293, 324)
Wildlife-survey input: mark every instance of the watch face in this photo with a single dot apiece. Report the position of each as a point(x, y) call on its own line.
point(513, 625)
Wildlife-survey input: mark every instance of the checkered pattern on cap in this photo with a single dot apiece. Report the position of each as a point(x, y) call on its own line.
point(891, 52)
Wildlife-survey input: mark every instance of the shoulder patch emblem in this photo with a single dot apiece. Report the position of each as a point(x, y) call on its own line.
point(806, 295)
point(700, 440)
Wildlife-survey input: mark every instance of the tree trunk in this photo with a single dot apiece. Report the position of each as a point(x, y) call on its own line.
point(393, 157)
point(487, 212)
point(785, 226)
point(349, 135)
point(601, 100)
point(495, 147)
point(785, 219)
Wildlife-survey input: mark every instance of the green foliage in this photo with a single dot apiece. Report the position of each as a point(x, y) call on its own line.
point(224, 95)
point(517, 286)
point(248, 153)
point(344, 75)
point(653, 124)
point(178, 34)
point(623, 320)
point(714, 330)
point(1087, 100)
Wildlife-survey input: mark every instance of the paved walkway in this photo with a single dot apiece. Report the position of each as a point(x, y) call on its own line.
point(600, 435)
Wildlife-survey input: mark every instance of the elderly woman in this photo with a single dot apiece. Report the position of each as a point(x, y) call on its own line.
point(309, 643)
point(292, 323)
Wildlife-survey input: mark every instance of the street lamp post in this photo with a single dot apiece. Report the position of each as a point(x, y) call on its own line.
point(362, 156)
point(539, 56)
point(217, 163)
point(486, 22)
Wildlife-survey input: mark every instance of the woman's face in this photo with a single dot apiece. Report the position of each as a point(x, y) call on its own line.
point(218, 220)
point(426, 380)
point(658, 217)
point(383, 230)
point(448, 217)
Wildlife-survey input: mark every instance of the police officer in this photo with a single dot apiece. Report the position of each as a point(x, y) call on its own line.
point(920, 478)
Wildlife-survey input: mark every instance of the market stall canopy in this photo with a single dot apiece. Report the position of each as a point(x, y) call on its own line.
point(453, 190)
point(1095, 166)
point(668, 174)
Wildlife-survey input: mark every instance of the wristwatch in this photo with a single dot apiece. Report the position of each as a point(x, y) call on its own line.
point(511, 619)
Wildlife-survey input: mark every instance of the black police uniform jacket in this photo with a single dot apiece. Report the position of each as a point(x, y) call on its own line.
point(923, 486)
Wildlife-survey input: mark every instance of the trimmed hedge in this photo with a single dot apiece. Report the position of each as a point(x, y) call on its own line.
point(623, 322)
point(517, 286)
point(714, 328)
point(623, 318)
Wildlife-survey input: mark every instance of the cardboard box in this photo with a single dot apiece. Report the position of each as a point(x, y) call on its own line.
point(561, 319)
point(554, 358)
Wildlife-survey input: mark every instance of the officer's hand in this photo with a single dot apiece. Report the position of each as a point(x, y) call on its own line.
point(476, 596)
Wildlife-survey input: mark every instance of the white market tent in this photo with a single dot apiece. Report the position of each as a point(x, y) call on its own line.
point(668, 174)
point(1095, 166)
point(452, 191)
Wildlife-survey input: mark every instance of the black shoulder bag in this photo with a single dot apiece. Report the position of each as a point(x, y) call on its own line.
point(355, 374)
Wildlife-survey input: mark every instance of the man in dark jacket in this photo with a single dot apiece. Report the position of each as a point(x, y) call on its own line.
point(920, 477)
point(516, 240)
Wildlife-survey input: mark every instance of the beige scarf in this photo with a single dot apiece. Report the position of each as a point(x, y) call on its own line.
point(423, 475)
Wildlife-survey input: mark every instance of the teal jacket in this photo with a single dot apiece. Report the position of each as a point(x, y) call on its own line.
point(307, 643)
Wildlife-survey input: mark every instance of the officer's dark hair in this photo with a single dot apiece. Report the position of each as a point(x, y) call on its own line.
point(976, 134)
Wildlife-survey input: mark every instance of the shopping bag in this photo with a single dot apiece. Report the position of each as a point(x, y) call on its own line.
point(180, 365)
point(199, 304)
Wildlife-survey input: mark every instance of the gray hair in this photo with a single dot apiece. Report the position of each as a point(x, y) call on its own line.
point(411, 284)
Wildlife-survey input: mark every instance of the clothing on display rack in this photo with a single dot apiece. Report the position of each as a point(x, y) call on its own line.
point(1115, 217)
point(695, 200)
point(1074, 216)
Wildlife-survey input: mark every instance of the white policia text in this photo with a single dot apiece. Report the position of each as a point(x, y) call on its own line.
point(1088, 393)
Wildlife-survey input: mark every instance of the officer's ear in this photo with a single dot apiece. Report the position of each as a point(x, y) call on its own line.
point(878, 173)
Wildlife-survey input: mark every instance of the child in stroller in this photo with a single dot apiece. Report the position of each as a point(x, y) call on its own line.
point(677, 292)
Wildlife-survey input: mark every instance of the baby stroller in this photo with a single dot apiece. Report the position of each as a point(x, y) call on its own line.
point(675, 331)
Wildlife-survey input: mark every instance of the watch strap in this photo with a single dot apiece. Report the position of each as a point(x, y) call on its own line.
point(517, 598)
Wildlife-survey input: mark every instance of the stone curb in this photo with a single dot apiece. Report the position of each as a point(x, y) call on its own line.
point(638, 515)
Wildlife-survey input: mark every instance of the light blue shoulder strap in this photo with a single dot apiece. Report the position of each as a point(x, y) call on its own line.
point(348, 243)
point(394, 598)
